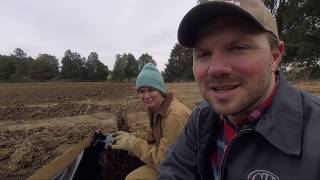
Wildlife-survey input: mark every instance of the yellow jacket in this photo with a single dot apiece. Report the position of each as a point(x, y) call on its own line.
point(166, 125)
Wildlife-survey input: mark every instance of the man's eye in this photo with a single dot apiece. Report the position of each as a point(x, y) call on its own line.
point(239, 47)
point(202, 54)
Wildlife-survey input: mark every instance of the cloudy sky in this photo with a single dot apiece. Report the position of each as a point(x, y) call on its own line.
point(108, 27)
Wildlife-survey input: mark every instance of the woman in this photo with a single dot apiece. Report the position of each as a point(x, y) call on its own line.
point(167, 118)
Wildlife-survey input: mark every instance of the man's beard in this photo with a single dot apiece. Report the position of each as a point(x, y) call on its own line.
point(255, 97)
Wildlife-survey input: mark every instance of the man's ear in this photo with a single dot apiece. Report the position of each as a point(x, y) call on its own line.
point(277, 56)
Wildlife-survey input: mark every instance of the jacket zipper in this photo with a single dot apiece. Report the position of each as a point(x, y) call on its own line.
point(242, 132)
point(198, 154)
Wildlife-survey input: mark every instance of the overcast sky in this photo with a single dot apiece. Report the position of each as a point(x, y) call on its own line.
point(108, 27)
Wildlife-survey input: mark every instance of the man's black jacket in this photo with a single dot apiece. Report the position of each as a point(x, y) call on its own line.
point(283, 144)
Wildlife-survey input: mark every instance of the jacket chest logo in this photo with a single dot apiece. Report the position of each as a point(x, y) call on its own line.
point(262, 175)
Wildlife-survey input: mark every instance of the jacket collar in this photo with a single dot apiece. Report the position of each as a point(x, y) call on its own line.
point(282, 122)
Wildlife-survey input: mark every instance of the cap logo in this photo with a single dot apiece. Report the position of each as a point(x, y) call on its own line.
point(237, 3)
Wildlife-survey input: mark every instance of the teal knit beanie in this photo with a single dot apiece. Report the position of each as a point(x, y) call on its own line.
point(150, 76)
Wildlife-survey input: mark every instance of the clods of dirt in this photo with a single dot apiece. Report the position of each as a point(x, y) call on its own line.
point(22, 156)
point(21, 112)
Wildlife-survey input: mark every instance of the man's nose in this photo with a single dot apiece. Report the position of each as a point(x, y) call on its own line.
point(218, 65)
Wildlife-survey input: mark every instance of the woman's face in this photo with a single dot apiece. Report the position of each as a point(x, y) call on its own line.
point(151, 98)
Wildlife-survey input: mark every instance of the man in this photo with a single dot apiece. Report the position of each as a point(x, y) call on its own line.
point(252, 124)
point(167, 118)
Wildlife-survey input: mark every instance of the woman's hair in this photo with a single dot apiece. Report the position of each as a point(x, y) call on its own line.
point(152, 89)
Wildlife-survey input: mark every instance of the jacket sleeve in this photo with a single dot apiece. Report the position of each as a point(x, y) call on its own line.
point(152, 155)
point(181, 159)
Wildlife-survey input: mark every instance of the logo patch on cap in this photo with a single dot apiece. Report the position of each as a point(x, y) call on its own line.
point(237, 3)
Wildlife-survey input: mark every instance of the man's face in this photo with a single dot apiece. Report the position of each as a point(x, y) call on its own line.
point(234, 66)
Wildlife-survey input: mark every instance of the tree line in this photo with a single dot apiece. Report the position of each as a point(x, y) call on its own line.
point(299, 26)
point(18, 67)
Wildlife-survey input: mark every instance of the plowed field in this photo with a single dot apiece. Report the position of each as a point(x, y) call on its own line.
point(39, 121)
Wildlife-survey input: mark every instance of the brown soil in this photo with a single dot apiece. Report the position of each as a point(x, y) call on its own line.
point(39, 121)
